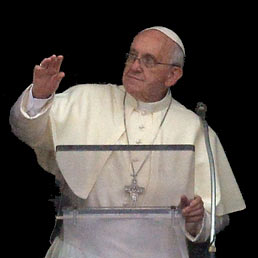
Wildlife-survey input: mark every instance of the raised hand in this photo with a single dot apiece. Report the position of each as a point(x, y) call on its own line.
point(47, 77)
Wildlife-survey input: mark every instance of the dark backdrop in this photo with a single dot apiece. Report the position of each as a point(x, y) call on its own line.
point(94, 41)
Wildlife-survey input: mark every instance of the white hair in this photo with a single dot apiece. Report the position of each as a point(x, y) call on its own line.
point(177, 56)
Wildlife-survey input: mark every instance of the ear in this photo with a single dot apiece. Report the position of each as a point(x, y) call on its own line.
point(174, 75)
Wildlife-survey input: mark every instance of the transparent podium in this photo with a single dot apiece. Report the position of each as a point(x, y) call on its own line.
point(124, 232)
point(152, 228)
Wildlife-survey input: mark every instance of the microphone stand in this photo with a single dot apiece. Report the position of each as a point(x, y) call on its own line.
point(201, 110)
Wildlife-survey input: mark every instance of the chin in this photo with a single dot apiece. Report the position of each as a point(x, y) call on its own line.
point(132, 88)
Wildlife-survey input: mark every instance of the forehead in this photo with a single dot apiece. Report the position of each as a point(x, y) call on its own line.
point(153, 42)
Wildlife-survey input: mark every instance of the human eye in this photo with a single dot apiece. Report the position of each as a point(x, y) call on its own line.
point(131, 56)
point(149, 60)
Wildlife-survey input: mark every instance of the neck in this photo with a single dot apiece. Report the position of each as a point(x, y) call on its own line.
point(148, 98)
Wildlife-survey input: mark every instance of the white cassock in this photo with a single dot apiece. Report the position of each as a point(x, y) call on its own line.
point(93, 115)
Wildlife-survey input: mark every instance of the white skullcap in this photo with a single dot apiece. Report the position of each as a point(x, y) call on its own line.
point(171, 34)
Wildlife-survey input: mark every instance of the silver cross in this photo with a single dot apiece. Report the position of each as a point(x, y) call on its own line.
point(134, 190)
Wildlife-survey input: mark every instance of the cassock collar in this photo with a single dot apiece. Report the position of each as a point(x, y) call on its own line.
point(149, 107)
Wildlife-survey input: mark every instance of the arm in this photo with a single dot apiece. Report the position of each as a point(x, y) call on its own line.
point(29, 127)
point(29, 121)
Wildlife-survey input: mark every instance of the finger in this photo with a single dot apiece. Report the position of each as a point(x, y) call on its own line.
point(39, 70)
point(196, 212)
point(52, 61)
point(56, 79)
point(184, 202)
point(58, 63)
point(190, 212)
point(45, 62)
point(55, 64)
point(195, 216)
point(60, 76)
point(193, 219)
point(196, 202)
point(195, 205)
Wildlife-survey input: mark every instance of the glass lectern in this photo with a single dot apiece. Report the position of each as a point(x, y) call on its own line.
point(147, 231)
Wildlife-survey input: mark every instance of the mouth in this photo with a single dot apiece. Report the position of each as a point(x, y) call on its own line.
point(134, 77)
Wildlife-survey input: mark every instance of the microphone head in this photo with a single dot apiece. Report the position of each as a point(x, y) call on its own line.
point(201, 110)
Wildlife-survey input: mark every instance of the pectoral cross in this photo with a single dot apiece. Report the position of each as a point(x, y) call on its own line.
point(134, 190)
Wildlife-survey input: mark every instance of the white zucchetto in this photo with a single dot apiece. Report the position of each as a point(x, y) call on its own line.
point(171, 34)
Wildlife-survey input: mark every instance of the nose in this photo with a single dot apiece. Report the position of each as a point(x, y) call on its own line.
point(136, 65)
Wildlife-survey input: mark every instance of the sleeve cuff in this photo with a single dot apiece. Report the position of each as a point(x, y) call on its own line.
point(32, 107)
point(204, 233)
point(202, 236)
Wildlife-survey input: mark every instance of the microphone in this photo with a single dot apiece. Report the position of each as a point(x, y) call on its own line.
point(201, 110)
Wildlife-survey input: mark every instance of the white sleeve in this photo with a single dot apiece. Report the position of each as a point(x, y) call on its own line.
point(34, 105)
point(204, 233)
point(31, 128)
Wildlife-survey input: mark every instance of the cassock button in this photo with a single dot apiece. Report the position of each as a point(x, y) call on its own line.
point(143, 112)
point(141, 127)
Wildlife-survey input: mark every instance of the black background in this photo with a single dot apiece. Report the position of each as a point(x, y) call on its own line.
point(94, 40)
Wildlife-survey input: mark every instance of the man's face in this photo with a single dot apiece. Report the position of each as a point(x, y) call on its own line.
point(149, 84)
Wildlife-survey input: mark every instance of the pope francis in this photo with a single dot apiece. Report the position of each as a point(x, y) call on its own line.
point(143, 112)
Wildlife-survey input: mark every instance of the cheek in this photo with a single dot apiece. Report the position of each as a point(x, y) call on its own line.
point(153, 78)
point(126, 69)
point(159, 77)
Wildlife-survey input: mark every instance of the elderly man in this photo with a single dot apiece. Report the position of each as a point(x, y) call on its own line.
point(141, 111)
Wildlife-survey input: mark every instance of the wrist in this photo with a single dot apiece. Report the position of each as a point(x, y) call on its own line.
point(193, 228)
point(39, 95)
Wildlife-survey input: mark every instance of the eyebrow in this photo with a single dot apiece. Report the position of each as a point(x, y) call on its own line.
point(134, 51)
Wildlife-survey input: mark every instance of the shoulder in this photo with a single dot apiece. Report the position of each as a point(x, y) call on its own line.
point(86, 98)
point(98, 92)
point(79, 89)
point(180, 111)
point(191, 120)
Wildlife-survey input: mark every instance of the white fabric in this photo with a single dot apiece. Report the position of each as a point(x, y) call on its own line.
point(171, 34)
point(108, 190)
point(97, 112)
point(34, 105)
